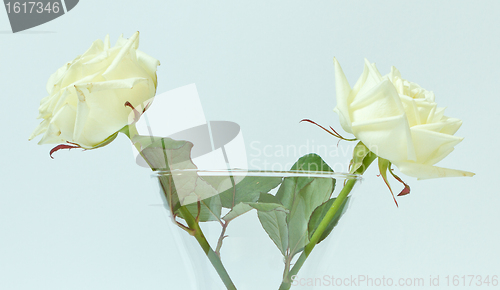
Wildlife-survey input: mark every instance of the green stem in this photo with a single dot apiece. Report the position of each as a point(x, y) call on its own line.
point(287, 267)
point(212, 256)
point(337, 204)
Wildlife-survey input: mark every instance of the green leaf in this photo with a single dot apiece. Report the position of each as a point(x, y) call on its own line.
point(248, 190)
point(320, 212)
point(275, 225)
point(268, 198)
point(186, 187)
point(311, 163)
point(210, 209)
point(292, 185)
point(268, 206)
point(237, 210)
point(306, 201)
point(302, 195)
point(267, 202)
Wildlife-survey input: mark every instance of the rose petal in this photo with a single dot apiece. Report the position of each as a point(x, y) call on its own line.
point(82, 113)
point(124, 51)
point(61, 126)
point(149, 64)
point(430, 145)
point(422, 171)
point(106, 42)
point(106, 103)
point(96, 47)
point(411, 110)
point(56, 77)
point(388, 138)
point(40, 129)
point(368, 80)
point(446, 126)
point(381, 101)
point(343, 90)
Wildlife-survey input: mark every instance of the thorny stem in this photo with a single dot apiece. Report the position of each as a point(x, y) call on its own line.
point(221, 237)
point(212, 256)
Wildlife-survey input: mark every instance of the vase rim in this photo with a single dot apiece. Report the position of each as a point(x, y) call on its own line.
point(262, 173)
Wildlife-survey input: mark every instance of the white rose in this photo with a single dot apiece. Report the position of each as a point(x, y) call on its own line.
point(398, 121)
point(87, 96)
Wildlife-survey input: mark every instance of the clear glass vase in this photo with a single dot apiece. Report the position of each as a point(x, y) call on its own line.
point(249, 254)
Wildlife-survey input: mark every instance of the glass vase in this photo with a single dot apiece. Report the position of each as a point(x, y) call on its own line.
point(243, 247)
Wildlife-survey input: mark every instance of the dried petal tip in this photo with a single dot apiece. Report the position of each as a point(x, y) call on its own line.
point(405, 190)
point(128, 104)
point(62, 146)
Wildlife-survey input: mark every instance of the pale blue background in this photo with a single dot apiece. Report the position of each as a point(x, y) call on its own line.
point(85, 220)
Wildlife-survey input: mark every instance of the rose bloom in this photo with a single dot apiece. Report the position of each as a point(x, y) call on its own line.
point(87, 96)
point(398, 121)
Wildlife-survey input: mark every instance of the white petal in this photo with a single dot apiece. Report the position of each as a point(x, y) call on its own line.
point(66, 94)
point(108, 112)
point(61, 126)
point(361, 81)
point(40, 129)
point(56, 77)
point(343, 90)
point(120, 41)
point(106, 42)
point(411, 110)
point(436, 115)
point(125, 50)
point(52, 136)
point(451, 125)
point(43, 110)
point(446, 126)
point(388, 138)
point(372, 78)
point(381, 101)
point(394, 74)
point(344, 120)
point(72, 75)
point(422, 171)
point(425, 110)
point(112, 85)
point(82, 113)
point(374, 70)
point(96, 47)
point(149, 64)
point(430, 146)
